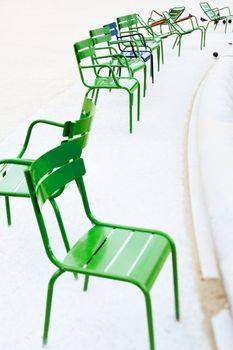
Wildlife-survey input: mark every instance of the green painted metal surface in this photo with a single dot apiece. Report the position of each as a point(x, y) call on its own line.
point(12, 179)
point(111, 251)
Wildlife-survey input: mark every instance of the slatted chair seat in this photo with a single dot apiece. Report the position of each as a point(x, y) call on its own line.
point(121, 252)
point(13, 182)
point(109, 83)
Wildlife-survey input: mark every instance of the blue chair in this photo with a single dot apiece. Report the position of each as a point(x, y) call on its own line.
point(128, 50)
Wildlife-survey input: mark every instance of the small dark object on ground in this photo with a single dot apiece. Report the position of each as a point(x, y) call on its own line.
point(216, 22)
point(203, 19)
point(224, 21)
point(229, 20)
point(230, 43)
point(215, 54)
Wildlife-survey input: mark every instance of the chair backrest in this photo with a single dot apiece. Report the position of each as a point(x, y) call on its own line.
point(84, 49)
point(128, 22)
point(208, 10)
point(100, 35)
point(80, 128)
point(176, 12)
point(172, 24)
point(112, 29)
point(49, 175)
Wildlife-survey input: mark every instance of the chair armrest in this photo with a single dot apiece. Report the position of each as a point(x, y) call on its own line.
point(16, 161)
point(108, 66)
point(106, 48)
point(225, 8)
point(134, 34)
point(29, 132)
point(132, 44)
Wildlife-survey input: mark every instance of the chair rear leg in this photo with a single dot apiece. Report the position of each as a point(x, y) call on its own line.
point(61, 227)
point(152, 68)
point(138, 106)
point(86, 282)
point(150, 320)
point(49, 304)
point(8, 210)
point(162, 52)
point(130, 113)
point(179, 45)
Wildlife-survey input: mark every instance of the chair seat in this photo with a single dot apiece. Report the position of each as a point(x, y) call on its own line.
point(12, 181)
point(151, 44)
point(109, 83)
point(121, 253)
point(134, 63)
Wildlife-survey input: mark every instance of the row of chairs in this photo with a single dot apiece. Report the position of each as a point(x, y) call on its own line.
point(126, 45)
point(112, 251)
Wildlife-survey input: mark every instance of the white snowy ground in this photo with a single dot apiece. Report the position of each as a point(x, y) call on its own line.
point(137, 179)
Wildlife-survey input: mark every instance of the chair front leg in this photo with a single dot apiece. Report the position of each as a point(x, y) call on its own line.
point(49, 304)
point(149, 320)
point(175, 283)
point(162, 52)
point(144, 84)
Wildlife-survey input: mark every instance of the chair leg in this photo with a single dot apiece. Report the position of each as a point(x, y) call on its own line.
point(8, 210)
point(179, 46)
point(158, 58)
point(144, 86)
point(162, 52)
point(86, 281)
point(130, 113)
point(150, 320)
point(152, 68)
point(175, 42)
point(49, 304)
point(138, 107)
point(96, 95)
point(61, 227)
point(175, 283)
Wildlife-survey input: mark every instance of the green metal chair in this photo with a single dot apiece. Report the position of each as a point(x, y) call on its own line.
point(12, 179)
point(102, 36)
point(111, 251)
point(129, 25)
point(104, 76)
point(177, 30)
point(215, 15)
point(174, 12)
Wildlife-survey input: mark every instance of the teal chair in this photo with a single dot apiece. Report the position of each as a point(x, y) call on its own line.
point(12, 179)
point(111, 251)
